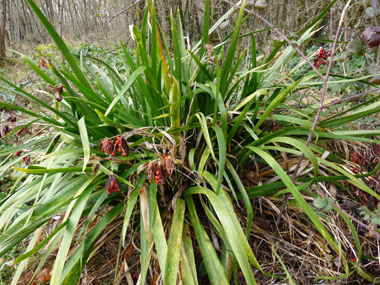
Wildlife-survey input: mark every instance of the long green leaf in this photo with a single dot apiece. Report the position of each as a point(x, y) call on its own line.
point(174, 246)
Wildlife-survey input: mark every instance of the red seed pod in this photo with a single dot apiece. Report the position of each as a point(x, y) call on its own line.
point(17, 154)
point(124, 146)
point(112, 185)
point(19, 133)
point(160, 175)
point(26, 160)
point(355, 156)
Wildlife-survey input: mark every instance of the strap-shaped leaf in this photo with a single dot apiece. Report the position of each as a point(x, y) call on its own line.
point(174, 246)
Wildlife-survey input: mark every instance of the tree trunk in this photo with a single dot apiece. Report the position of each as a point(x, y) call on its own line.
point(2, 30)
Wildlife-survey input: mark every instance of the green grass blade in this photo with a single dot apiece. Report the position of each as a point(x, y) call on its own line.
point(214, 268)
point(174, 246)
point(275, 102)
point(85, 142)
point(131, 205)
point(69, 233)
point(302, 202)
point(222, 156)
point(125, 88)
point(231, 51)
point(175, 110)
point(233, 230)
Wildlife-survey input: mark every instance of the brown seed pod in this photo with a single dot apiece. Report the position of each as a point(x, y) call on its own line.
point(377, 149)
point(123, 145)
point(169, 165)
point(42, 63)
point(368, 153)
point(4, 130)
point(107, 145)
point(26, 160)
point(160, 175)
point(17, 154)
point(112, 185)
point(150, 171)
point(95, 168)
point(11, 118)
point(57, 91)
point(37, 131)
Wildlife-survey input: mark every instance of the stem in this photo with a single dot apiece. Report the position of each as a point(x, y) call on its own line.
point(351, 97)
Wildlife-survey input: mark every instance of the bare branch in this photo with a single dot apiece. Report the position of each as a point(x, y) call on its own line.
point(109, 21)
point(351, 97)
point(281, 34)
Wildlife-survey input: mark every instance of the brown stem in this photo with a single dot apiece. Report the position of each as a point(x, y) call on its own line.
point(109, 21)
point(324, 88)
point(351, 97)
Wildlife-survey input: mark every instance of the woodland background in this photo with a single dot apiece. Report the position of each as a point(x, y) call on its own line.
point(79, 20)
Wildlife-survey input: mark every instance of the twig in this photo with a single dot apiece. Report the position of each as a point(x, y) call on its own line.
point(351, 97)
point(109, 21)
point(282, 35)
point(324, 88)
point(358, 221)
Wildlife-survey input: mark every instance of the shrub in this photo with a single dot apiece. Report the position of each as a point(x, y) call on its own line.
point(180, 130)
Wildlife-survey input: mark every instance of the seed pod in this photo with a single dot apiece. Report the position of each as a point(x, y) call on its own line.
point(23, 130)
point(4, 130)
point(169, 165)
point(377, 149)
point(355, 156)
point(26, 160)
point(57, 92)
point(160, 175)
point(112, 185)
point(377, 187)
point(95, 168)
point(150, 171)
point(11, 118)
point(107, 146)
point(17, 154)
point(37, 131)
point(368, 154)
point(124, 146)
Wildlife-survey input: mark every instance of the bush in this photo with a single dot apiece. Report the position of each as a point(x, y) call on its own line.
point(180, 130)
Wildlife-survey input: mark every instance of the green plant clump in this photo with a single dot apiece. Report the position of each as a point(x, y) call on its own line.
point(175, 134)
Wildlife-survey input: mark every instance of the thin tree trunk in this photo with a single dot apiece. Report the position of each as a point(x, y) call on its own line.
point(2, 30)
